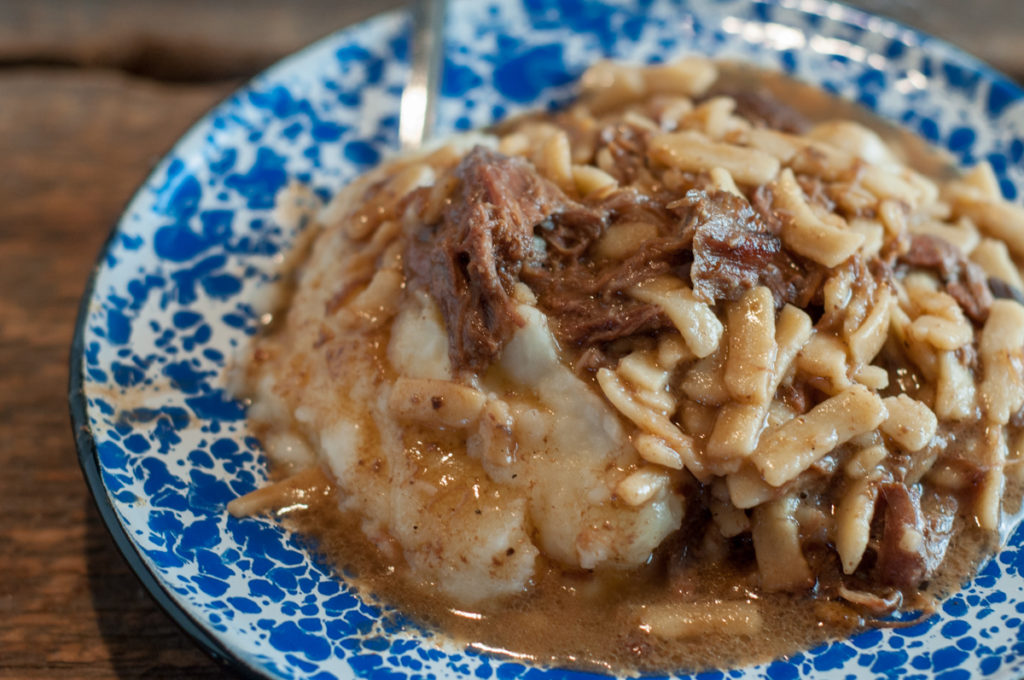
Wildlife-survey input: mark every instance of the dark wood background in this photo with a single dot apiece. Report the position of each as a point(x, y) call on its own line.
point(91, 94)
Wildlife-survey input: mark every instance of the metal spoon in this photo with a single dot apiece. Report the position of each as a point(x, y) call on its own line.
point(416, 113)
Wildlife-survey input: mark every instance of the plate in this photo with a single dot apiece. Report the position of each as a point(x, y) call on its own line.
point(176, 293)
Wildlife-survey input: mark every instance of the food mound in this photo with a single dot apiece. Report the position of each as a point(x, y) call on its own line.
point(671, 332)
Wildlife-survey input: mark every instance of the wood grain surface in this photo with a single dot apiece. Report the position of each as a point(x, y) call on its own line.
point(74, 147)
point(91, 94)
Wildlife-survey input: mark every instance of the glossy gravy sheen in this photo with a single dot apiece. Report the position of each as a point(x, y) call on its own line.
point(588, 620)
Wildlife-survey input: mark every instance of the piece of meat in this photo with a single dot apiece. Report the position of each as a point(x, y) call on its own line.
point(735, 249)
point(627, 145)
point(914, 540)
point(586, 303)
point(485, 243)
point(472, 258)
point(876, 605)
point(629, 205)
point(816, 191)
point(1004, 291)
point(939, 512)
point(732, 250)
point(901, 561)
point(761, 108)
point(762, 201)
point(570, 234)
point(714, 238)
point(799, 396)
point(584, 299)
point(965, 281)
point(582, 322)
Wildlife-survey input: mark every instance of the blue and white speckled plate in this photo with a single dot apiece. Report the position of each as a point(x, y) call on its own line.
point(164, 447)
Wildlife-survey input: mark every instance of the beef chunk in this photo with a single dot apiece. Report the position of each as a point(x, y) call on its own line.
point(1003, 290)
point(584, 298)
point(964, 280)
point(901, 556)
point(472, 258)
point(914, 540)
point(736, 247)
point(580, 321)
point(764, 109)
point(628, 147)
point(732, 249)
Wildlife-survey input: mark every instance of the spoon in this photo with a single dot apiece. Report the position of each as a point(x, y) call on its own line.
point(416, 112)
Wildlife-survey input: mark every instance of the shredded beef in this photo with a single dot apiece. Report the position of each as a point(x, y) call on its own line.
point(584, 299)
point(965, 281)
point(817, 192)
point(734, 249)
point(485, 242)
point(713, 238)
point(764, 109)
point(628, 147)
point(761, 201)
point(1003, 290)
point(628, 205)
point(472, 258)
point(580, 321)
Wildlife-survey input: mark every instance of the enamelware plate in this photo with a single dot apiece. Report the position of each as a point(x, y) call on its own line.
point(175, 298)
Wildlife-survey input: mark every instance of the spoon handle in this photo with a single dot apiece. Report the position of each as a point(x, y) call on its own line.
point(416, 115)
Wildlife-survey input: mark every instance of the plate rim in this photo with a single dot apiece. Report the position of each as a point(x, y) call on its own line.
point(209, 641)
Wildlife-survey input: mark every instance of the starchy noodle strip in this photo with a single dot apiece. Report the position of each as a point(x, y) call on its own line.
point(789, 450)
point(994, 257)
point(853, 523)
point(825, 357)
point(998, 219)
point(642, 485)
point(730, 520)
point(865, 342)
point(738, 426)
point(776, 535)
point(747, 488)
point(699, 326)
point(963, 234)
point(872, 377)
point(751, 346)
point(1001, 351)
point(955, 389)
point(428, 401)
point(680, 620)
point(704, 382)
point(990, 493)
point(655, 450)
point(299, 488)
point(693, 152)
point(651, 422)
point(909, 422)
point(806, 233)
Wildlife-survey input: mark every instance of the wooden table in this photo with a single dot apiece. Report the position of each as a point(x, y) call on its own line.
point(91, 94)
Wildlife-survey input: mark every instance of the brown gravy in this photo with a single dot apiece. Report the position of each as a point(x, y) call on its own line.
point(588, 620)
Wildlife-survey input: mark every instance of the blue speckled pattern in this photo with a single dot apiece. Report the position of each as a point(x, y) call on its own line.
point(174, 301)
